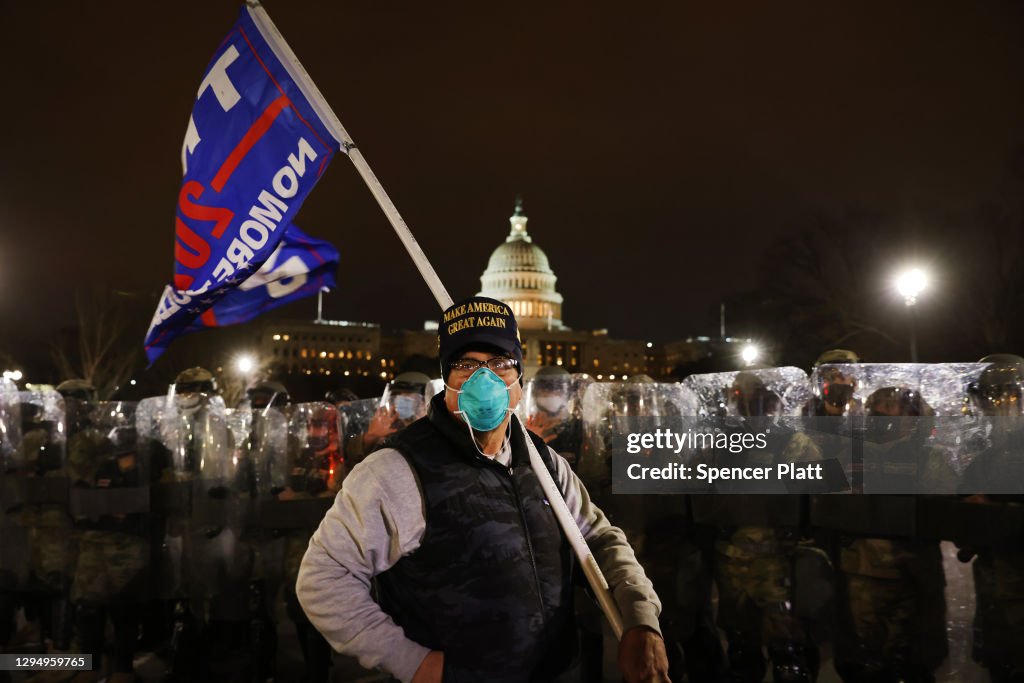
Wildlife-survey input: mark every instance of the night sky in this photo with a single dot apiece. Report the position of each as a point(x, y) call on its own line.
point(660, 148)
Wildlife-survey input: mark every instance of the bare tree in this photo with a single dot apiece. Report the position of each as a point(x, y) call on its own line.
point(102, 348)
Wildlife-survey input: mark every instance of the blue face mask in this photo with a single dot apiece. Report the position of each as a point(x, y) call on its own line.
point(407, 406)
point(483, 400)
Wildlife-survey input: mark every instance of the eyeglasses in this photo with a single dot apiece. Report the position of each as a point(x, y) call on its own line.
point(502, 366)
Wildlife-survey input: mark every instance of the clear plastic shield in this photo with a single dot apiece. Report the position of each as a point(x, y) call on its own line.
point(552, 408)
point(356, 420)
point(610, 409)
point(316, 463)
point(41, 490)
point(742, 404)
point(267, 445)
point(110, 502)
point(203, 497)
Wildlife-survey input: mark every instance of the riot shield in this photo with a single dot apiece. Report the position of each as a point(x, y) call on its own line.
point(902, 436)
point(315, 468)
point(267, 445)
point(356, 418)
point(109, 502)
point(552, 407)
point(14, 549)
point(202, 498)
point(764, 401)
point(38, 494)
point(609, 410)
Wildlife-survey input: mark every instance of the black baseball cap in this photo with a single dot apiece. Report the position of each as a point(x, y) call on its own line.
point(477, 321)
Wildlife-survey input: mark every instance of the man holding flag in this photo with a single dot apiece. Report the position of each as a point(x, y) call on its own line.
point(474, 575)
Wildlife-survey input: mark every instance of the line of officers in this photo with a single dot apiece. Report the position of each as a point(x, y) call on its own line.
point(177, 525)
point(172, 525)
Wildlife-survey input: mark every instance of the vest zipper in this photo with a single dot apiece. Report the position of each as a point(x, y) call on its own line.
point(529, 544)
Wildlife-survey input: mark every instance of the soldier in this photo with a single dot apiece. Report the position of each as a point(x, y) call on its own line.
point(114, 547)
point(316, 471)
point(835, 385)
point(45, 516)
point(995, 477)
point(550, 410)
point(753, 561)
point(659, 528)
point(892, 621)
point(210, 573)
point(402, 404)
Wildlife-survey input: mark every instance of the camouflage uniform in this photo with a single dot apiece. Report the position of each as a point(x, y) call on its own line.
point(114, 548)
point(892, 616)
point(753, 571)
point(52, 548)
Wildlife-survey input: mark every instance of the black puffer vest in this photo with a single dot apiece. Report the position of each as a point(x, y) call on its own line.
point(491, 583)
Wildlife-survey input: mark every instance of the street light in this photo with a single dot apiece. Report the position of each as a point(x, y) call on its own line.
point(244, 363)
point(910, 282)
point(750, 354)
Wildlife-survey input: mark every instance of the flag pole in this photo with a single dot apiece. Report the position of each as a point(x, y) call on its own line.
point(284, 53)
point(291, 63)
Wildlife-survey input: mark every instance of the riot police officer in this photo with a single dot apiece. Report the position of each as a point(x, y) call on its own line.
point(758, 538)
point(316, 470)
point(404, 402)
point(892, 607)
point(995, 476)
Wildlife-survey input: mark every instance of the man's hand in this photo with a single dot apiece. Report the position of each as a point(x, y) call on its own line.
point(642, 657)
point(431, 668)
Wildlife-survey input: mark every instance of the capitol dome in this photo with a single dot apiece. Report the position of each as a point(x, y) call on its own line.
point(519, 274)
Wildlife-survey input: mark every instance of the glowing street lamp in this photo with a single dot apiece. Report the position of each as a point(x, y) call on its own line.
point(244, 364)
point(910, 282)
point(750, 354)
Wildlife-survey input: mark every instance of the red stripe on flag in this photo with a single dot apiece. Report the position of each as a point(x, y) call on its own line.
point(274, 81)
point(208, 318)
point(258, 129)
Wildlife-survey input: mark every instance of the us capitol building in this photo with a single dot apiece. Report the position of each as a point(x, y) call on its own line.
point(517, 273)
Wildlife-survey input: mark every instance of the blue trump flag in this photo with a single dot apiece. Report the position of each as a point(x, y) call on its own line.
point(254, 148)
point(299, 267)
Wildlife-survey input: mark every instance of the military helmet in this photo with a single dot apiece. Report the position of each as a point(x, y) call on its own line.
point(342, 395)
point(195, 380)
point(551, 377)
point(275, 393)
point(910, 403)
point(835, 356)
point(410, 381)
point(749, 396)
point(551, 371)
point(1000, 387)
point(81, 389)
